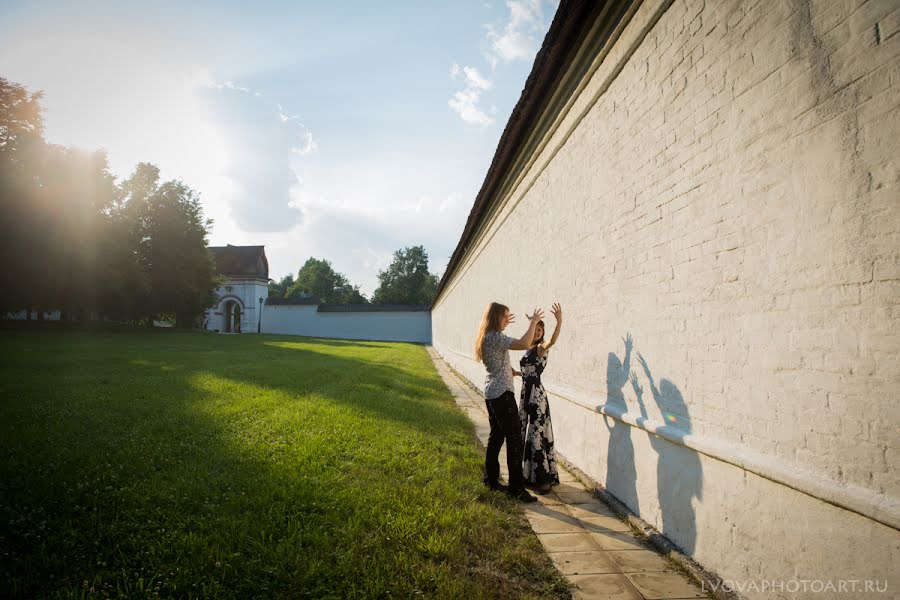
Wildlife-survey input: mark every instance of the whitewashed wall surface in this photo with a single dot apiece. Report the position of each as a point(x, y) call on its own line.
point(361, 323)
point(724, 190)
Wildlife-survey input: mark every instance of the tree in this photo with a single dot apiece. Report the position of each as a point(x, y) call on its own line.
point(169, 237)
point(279, 289)
point(21, 121)
point(55, 202)
point(73, 240)
point(318, 279)
point(21, 148)
point(407, 279)
point(70, 213)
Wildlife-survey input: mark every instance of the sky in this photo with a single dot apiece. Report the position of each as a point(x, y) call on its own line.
point(339, 130)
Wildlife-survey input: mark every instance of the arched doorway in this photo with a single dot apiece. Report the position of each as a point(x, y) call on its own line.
point(232, 315)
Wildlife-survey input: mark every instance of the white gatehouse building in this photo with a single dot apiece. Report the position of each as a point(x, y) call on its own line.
point(245, 270)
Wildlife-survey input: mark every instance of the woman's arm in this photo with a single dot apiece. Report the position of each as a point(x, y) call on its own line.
point(524, 342)
point(546, 345)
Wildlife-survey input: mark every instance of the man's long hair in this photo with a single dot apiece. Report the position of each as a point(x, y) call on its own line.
point(493, 314)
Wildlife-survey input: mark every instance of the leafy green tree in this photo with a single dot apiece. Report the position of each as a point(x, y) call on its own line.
point(72, 207)
point(407, 279)
point(352, 295)
point(280, 288)
point(21, 148)
point(169, 235)
point(21, 123)
point(73, 240)
point(318, 279)
point(125, 291)
point(55, 202)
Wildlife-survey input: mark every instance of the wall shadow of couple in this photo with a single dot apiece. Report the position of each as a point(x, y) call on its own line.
point(679, 474)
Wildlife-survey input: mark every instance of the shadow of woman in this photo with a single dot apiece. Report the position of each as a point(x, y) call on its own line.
point(621, 474)
point(679, 474)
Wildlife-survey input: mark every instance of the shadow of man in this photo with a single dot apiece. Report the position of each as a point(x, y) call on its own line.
point(621, 474)
point(679, 474)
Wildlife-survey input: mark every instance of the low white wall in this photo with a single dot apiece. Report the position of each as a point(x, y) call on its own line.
point(388, 326)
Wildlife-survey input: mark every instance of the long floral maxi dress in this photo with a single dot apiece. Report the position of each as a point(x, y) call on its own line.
point(539, 460)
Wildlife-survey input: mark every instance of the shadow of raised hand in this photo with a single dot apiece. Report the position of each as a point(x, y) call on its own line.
point(653, 388)
point(616, 377)
point(638, 392)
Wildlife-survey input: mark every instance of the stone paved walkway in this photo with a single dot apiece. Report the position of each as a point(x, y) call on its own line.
point(589, 545)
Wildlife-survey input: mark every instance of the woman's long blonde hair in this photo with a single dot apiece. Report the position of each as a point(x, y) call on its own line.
point(493, 314)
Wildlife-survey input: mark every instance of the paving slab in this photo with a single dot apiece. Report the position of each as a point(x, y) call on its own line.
point(568, 542)
point(664, 586)
point(639, 561)
point(600, 524)
point(560, 523)
point(606, 587)
point(615, 540)
point(576, 497)
point(595, 508)
point(566, 487)
point(550, 499)
point(583, 563)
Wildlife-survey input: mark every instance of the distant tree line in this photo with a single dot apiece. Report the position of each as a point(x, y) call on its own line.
point(73, 239)
point(406, 281)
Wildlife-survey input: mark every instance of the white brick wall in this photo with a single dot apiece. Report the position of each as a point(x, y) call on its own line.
point(732, 200)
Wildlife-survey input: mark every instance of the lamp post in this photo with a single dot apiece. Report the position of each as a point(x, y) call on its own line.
point(259, 317)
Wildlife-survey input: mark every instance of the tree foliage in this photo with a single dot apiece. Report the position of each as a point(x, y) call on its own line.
point(169, 237)
point(318, 279)
point(21, 122)
point(280, 288)
point(407, 279)
point(77, 242)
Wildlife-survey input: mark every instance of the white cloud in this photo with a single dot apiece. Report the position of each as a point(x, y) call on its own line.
point(368, 235)
point(517, 39)
point(465, 102)
point(475, 79)
point(105, 89)
point(260, 139)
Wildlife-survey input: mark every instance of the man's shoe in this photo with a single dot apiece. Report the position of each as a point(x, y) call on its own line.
point(523, 496)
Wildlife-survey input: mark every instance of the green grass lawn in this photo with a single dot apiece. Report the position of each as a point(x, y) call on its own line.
point(168, 464)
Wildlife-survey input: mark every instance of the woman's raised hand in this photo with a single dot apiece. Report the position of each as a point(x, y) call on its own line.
point(557, 312)
point(536, 316)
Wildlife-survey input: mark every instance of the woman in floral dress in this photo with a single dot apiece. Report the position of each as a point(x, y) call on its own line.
point(539, 460)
